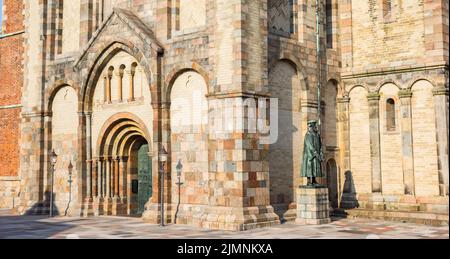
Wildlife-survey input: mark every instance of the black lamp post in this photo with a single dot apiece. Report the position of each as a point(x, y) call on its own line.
point(53, 160)
point(163, 156)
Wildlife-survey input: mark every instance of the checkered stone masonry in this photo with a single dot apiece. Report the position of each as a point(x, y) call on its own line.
point(237, 56)
point(313, 206)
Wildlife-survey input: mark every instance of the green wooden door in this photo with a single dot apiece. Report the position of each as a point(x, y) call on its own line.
point(145, 178)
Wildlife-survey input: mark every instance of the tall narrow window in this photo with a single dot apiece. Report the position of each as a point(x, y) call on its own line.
point(390, 115)
point(387, 8)
point(329, 14)
point(282, 16)
point(294, 15)
point(59, 26)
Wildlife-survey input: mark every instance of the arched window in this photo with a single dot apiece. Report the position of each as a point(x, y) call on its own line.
point(390, 115)
point(329, 14)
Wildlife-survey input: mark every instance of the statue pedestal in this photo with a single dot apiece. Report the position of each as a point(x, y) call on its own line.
point(313, 206)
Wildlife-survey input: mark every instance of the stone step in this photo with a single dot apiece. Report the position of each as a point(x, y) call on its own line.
point(426, 218)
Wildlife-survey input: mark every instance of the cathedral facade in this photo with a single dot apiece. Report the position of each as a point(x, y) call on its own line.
point(226, 88)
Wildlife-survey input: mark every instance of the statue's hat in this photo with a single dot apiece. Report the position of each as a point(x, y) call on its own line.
point(312, 122)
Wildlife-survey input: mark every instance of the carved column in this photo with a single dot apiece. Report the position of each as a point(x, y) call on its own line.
point(100, 178)
point(131, 88)
point(120, 85)
point(116, 177)
point(123, 177)
point(89, 176)
point(407, 139)
point(95, 178)
point(104, 177)
point(105, 89)
point(108, 177)
point(442, 113)
point(108, 89)
point(375, 151)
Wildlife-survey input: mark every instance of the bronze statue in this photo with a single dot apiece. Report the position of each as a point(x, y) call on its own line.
point(312, 155)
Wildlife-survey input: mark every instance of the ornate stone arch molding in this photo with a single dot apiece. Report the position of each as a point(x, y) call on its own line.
point(117, 119)
point(51, 92)
point(301, 71)
point(180, 69)
point(122, 31)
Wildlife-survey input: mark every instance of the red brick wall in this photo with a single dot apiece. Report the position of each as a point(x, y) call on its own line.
point(13, 16)
point(11, 80)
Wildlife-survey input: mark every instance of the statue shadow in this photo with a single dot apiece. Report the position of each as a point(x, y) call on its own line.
point(349, 199)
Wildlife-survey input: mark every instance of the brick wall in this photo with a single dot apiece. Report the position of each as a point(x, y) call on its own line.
point(11, 80)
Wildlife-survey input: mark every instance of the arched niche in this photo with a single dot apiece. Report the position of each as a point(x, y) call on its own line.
point(391, 140)
point(64, 141)
point(189, 138)
point(361, 172)
point(424, 139)
point(284, 161)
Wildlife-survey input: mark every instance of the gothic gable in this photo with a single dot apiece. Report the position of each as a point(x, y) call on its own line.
point(125, 27)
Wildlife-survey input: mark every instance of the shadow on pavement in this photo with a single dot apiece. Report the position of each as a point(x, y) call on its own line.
point(35, 224)
point(30, 227)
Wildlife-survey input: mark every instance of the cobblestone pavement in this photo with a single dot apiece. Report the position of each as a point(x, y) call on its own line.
point(38, 227)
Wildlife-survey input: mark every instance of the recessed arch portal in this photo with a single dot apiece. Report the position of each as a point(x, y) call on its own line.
point(123, 175)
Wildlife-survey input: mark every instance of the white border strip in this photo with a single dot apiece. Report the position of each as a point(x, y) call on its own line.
point(15, 106)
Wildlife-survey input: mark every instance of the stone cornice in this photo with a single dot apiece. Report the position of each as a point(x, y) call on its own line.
point(36, 114)
point(399, 70)
point(440, 91)
point(237, 95)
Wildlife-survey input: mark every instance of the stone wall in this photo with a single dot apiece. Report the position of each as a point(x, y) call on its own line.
point(377, 56)
point(231, 179)
point(11, 83)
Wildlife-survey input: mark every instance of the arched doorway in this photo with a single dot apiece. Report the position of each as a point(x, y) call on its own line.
point(123, 170)
point(332, 183)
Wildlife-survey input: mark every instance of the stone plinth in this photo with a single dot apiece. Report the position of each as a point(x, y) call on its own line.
point(313, 206)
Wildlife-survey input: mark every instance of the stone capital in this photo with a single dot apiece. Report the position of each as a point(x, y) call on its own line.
point(405, 94)
point(373, 97)
point(440, 91)
point(345, 99)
